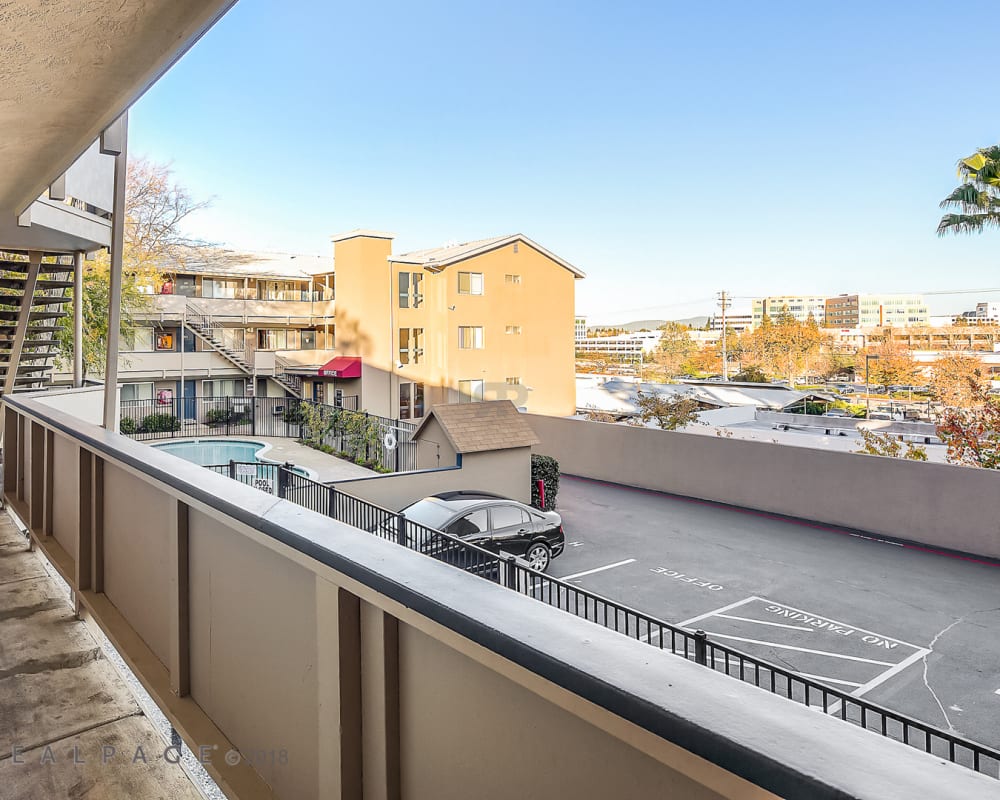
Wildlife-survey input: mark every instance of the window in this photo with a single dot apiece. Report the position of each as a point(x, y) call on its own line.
point(223, 388)
point(514, 330)
point(405, 399)
point(411, 345)
point(509, 517)
point(410, 294)
point(404, 290)
point(511, 279)
point(470, 283)
point(165, 341)
point(278, 339)
point(139, 340)
point(411, 400)
point(469, 525)
point(470, 391)
point(513, 381)
point(470, 337)
point(137, 391)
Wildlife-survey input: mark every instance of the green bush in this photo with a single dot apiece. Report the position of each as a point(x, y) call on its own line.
point(128, 426)
point(544, 468)
point(294, 415)
point(217, 416)
point(159, 423)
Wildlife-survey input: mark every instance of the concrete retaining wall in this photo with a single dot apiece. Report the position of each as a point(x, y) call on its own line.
point(934, 504)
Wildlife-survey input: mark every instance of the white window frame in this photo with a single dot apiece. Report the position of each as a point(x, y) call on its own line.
point(135, 385)
point(474, 278)
point(471, 337)
point(469, 395)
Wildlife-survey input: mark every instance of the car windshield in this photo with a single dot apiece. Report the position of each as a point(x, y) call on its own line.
point(428, 512)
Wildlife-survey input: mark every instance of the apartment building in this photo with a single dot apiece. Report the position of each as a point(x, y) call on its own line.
point(874, 310)
point(801, 307)
point(631, 347)
point(486, 320)
point(228, 324)
point(579, 329)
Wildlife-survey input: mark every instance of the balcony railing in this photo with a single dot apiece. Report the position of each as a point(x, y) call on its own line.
point(239, 293)
point(324, 663)
point(693, 645)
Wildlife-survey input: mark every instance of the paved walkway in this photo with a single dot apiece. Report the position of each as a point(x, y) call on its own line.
point(326, 467)
point(59, 692)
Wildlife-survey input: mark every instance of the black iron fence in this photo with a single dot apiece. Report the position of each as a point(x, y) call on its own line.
point(382, 443)
point(514, 574)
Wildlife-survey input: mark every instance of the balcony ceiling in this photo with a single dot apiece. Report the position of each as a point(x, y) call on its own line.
point(69, 69)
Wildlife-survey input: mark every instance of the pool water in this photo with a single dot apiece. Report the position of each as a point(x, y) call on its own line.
point(210, 452)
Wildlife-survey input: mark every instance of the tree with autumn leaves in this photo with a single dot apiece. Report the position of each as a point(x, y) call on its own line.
point(972, 435)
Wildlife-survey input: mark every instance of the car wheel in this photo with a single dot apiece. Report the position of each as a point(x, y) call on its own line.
point(538, 556)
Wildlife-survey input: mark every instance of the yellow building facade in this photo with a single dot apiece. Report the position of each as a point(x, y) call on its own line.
point(486, 320)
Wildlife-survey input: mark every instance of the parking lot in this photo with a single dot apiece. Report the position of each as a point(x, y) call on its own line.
point(916, 631)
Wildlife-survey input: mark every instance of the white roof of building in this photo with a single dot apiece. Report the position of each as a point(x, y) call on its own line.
point(618, 396)
point(217, 261)
point(437, 258)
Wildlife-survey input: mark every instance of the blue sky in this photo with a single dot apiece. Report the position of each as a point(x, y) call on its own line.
point(668, 149)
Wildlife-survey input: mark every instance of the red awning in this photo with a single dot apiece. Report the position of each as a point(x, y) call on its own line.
point(341, 367)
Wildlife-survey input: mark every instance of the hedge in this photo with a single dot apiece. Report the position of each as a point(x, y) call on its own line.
point(544, 468)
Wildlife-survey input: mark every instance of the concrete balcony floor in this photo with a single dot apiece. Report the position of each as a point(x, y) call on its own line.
point(71, 726)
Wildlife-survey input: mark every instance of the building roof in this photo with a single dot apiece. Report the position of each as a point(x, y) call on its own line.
point(217, 261)
point(366, 232)
point(478, 427)
point(437, 258)
point(619, 396)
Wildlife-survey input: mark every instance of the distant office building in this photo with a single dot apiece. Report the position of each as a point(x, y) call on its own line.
point(984, 313)
point(876, 311)
point(735, 322)
point(630, 347)
point(579, 329)
point(800, 307)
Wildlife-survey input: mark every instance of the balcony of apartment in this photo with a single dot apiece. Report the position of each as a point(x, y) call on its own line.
point(302, 657)
point(288, 307)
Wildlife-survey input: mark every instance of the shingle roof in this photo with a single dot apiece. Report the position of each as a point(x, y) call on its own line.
point(441, 257)
point(477, 427)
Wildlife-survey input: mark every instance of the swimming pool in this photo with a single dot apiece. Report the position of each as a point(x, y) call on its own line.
point(210, 452)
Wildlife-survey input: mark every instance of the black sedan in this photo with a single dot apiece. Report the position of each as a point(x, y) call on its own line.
point(490, 521)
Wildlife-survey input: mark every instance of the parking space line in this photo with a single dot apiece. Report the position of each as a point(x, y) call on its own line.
point(880, 679)
point(803, 649)
point(688, 622)
point(773, 624)
point(597, 569)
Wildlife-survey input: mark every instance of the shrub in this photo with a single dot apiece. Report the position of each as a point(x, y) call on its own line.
point(544, 468)
point(216, 416)
point(128, 426)
point(159, 423)
point(293, 414)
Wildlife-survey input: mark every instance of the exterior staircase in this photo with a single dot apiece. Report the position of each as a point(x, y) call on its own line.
point(38, 351)
point(203, 326)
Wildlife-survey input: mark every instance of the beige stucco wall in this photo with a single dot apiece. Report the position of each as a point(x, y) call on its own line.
point(542, 304)
point(553, 756)
point(506, 472)
point(934, 504)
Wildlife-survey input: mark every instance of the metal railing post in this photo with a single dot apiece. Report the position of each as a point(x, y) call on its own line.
point(701, 647)
point(232, 469)
point(401, 530)
point(331, 509)
point(398, 447)
point(283, 471)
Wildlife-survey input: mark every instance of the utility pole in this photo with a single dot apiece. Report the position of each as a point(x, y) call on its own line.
point(724, 304)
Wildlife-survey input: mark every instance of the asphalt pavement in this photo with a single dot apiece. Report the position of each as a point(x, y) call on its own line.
point(913, 630)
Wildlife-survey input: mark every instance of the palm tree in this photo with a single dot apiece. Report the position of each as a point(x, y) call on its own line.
point(978, 198)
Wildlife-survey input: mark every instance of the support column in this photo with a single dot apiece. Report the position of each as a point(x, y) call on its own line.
point(23, 316)
point(115, 142)
point(338, 624)
point(180, 614)
point(36, 498)
point(78, 319)
point(379, 703)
